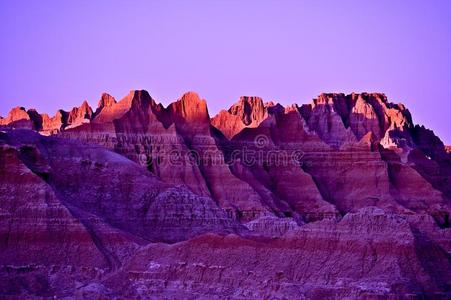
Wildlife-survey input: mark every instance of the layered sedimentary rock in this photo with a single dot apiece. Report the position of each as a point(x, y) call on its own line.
point(342, 119)
point(342, 197)
point(367, 254)
point(39, 237)
point(336, 136)
point(275, 167)
point(91, 178)
point(247, 112)
point(94, 207)
point(176, 143)
point(192, 122)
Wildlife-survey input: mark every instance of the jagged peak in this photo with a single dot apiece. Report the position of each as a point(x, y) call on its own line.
point(191, 95)
point(250, 109)
point(17, 108)
point(189, 107)
point(79, 115)
point(192, 98)
point(329, 98)
point(85, 104)
point(275, 109)
point(141, 98)
point(112, 109)
point(291, 107)
point(135, 97)
point(17, 112)
point(106, 100)
point(251, 100)
point(359, 112)
point(84, 107)
point(246, 102)
point(19, 117)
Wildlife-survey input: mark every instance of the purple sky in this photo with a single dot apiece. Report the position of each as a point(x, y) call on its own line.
point(54, 54)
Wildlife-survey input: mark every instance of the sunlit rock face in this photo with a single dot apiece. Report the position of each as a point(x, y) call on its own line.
point(17, 118)
point(247, 112)
point(344, 197)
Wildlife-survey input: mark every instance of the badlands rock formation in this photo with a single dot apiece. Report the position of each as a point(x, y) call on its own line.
point(344, 197)
point(17, 118)
point(248, 112)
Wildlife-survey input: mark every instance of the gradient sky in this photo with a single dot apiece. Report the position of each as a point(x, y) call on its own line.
point(54, 54)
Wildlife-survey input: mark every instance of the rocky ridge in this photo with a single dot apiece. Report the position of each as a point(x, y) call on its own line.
point(347, 189)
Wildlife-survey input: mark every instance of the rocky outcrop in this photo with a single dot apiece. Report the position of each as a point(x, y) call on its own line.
point(323, 116)
point(341, 198)
point(247, 112)
point(342, 119)
point(105, 103)
point(53, 125)
point(108, 109)
point(193, 125)
point(293, 192)
point(17, 118)
point(336, 136)
point(176, 143)
point(79, 115)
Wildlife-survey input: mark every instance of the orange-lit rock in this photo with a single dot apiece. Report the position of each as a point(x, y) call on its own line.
point(247, 112)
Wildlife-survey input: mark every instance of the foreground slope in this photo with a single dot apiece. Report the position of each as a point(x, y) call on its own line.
point(88, 208)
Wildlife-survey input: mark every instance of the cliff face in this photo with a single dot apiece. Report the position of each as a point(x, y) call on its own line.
point(342, 197)
point(247, 112)
point(17, 118)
